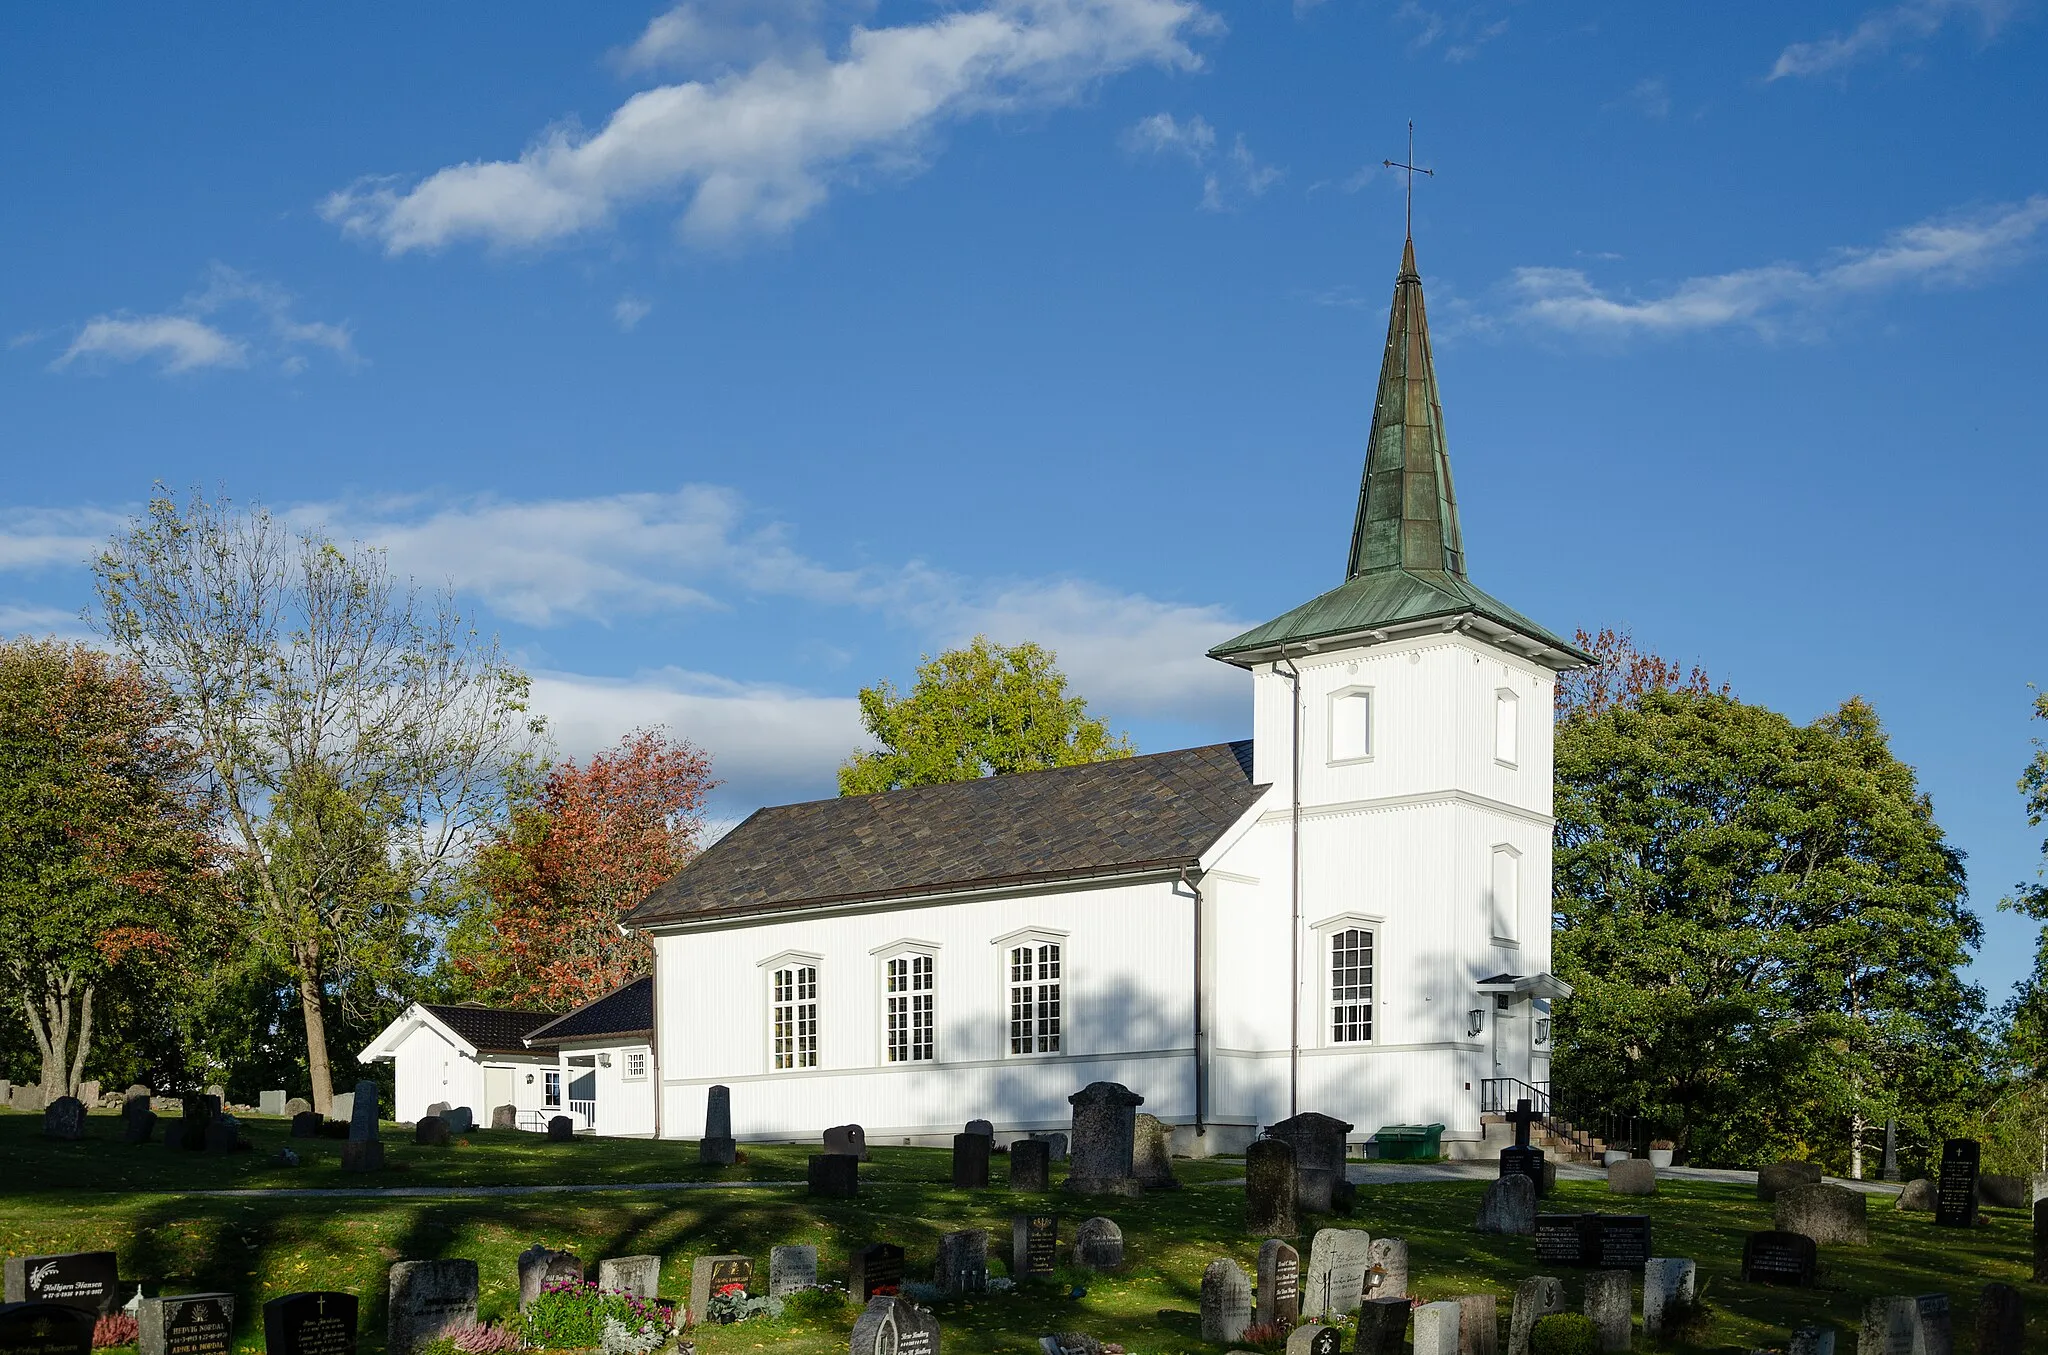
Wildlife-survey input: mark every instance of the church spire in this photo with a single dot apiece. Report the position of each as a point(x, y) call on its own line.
point(1407, 510)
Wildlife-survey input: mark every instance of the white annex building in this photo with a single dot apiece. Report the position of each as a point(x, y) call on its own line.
point(1349, 913)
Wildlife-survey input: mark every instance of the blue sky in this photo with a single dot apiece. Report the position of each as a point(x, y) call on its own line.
point(726, 357)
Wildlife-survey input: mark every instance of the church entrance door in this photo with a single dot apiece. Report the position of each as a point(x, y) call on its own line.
point(1511, 1031)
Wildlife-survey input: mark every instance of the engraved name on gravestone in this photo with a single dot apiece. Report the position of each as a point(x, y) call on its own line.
point(1099, 1245)
point(639, 1275)
point(1955, 1192)
point(318, 1322)
point(1779, 1258)
point(1279, 1292)
point(1386, 1276)
point(1593, 1239)
point(709, 1275)
point(86, 1280)
point(1337, 1262)
point(876, 1267)
point(792, 1268)
point(45, 1329)
point(962, 1266)
point(1034, 1244)
point(426, 1298)
point(1226, 1302)
point(187, 1324)
point(889, 1326)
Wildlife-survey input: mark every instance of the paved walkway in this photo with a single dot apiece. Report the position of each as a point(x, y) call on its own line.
point(422, 1192)
point(1478, 1170)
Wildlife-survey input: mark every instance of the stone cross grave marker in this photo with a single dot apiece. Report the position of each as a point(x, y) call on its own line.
point(970, 1160)
point(1279, 1294)
point(710, 1275)
point(1338, 1259)
point(639, 1276)
point(1318, 1157)
point(319, 1322)
point(717, 1147)
point(1509, 1205)
point(187, 1324)
point(792, 1268)
point(1523, 1158)
point(1383, 1327)
point(1478, 1324)
point(1610, 1303)
point(889, 1326)
point(1666, 1280)
point(874, 1267)
point(1031, 1166)
point(86, 1280)
point(1955, 1191)
point(847, 1140)
point(833, 1176)
point(45, 1329)
point(1034, 1244)
point(1226, 1302)
point(963, 1261)
point(1104, 1146)
point(541, 1266)
point(424, 1299)
point(1386, 1275)
point(1830, 1215)
point(1779, 1258)
point(1436, 1328)
point(1099, 1245)
point(1270, 1187)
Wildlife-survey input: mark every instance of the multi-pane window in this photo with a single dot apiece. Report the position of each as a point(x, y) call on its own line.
point(1505, 732)
point(795, 1017)
point(1035, 998)
point(1351, 986)
point(910, 1008)
point(553, 1089)
point(636, 1065)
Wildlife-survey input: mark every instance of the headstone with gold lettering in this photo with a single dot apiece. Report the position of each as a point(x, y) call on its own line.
point(187, 1324)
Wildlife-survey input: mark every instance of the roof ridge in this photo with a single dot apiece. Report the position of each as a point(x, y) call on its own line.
point(1097, 764)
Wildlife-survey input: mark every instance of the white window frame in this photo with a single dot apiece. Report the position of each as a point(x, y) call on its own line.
point(1507, 727)
point(1047, 1038)
point(1328, 999)
point(627, 1074)
point(551, 1088)
point(908, 954)
point(801, 1059)
point(1365, 696)
point(1512, 912)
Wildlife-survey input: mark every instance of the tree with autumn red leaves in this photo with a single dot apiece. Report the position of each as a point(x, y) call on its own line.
point(575, 854)
point(1622, 674)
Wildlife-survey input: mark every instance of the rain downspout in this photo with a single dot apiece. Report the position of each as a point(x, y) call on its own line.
point(1293, 676)
point(1201, 1059)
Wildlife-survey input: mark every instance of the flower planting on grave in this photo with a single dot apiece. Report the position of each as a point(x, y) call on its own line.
point(574, 1315)
point(732, 1303)
point(115, 1329)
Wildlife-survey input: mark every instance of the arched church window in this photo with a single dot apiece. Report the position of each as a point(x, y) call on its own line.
point(1351, 986)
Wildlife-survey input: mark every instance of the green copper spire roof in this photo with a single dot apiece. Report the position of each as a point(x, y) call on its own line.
point(1407, 564)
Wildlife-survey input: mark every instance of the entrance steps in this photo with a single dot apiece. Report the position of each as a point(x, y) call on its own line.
point(1559, 1139)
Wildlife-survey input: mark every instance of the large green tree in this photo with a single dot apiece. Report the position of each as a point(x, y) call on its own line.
point(1765, 927)
point(358, 733)
point(104, 849)
point(2018, 1121)
point(979, 711)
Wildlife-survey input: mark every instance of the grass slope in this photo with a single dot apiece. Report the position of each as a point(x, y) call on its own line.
point(102, 1194)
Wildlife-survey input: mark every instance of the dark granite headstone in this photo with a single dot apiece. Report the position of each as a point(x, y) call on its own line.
point(432, 1132)
point(847, 1140)
point(64, 1119)
point(1955, 1190)
point(1031, 1166)
point(889, 1326)
point(1779, 1258)
point(363, 1112)
point(1034, 1245)
point(1105, 1129)
point(306, 1124)
point(970, 1160)
point(717, 1147)
point(2001, 1321)
point(561, 1129)
point(198, 1110)
point(1383, 1327)
point(981, 1127)
point(223, 1134)
point(362, 1155)
point(835, 1176)
point(45, 1329)
point(1607, 1240)
point(2041, 1240)
point(426, 1298)
point(1270, 1189)
point(638, 1275)
point(874, 1268)
point(963, 1260)
point(86, 1280)
point(1226, 1302)
point(1318, 1157)
point(709, 1275)
point(541, 1266)
point(187, 1324)
point(320, 1322)
point(1099, 1245)
point(1523, 1162)
point(1279, 1291)
point(138, 1126)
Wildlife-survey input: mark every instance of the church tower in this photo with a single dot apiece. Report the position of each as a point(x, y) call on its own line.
point(1403, 721)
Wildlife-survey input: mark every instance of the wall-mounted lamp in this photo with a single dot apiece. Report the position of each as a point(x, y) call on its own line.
point(529, 1079)
point(1543, 1030)
point(604, 1060)
point(1475, 1021)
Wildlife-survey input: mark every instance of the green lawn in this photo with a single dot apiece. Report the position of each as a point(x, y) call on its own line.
point(105, 1195)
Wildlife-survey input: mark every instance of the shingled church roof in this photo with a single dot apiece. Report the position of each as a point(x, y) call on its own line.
point(493, 1030)
point(1157, 812)
point(626, 1010)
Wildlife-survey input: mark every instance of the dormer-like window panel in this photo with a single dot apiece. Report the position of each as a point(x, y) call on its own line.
point(1351, 724)
point(1506, 728)
point(1505, 887)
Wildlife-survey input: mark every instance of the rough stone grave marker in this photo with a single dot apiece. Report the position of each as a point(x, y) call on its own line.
point(717, 1147)
point(1053, 1139)
point(834, 1176)
point(1034, 1244)
point(1478, 1324)
point(318, 1322)
point(792, 1268)
point(1031, 1166)
point(1104, 1146)
point(1610, 1303)
point(709, 1275)
point(541, 1266)
point(1099, 1245)
point(639, 1276)
point(1779, 1258)
point(1537, 1296)
point(1386, 1275)
point(1152, 1154)
point(1279, 1290)
point(1779, 1177)
point(1632, 1176)
point(504, 1117)
point(889, 1326)
point(875, 1267)
point(86, 1280)
point(187, 1324)
point(1830, 1215)
point(431, 1131)
point(64, 1119)
point(963, 1261)
point(1509, 1206)
point(1916, 1197)
point(44, 1329)
point(1383, 1327)
point(1318, 1157)
point(1955, 1190)
point(847, 1140)
point(1226, 1301)
point(1666, 1281)
point(1334, 1284)
point(298, 1105)
point(970, 1160)
point(1270, 1187)
point(426, 1298)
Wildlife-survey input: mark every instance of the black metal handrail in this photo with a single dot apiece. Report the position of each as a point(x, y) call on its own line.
point(1499, 1095)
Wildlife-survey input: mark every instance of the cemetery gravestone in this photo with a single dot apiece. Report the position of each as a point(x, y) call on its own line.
point(711, 1275)
point(1318, 1142)
point(223, 1134)
point(1337, 1262)
point(343, 1107)
point(1780, 1177)
point(1509, 1205)
point(460, 1120)
point(1936, 1334)
point(44, 1329)
point(1386, 1275)
point(198, 1111)
point(1034, 1245)
point(2040, 1240)
point(1538, 1296)
point(981, 1127)
point(306, 1124)
point(1031, 1166)
point(298, 1105)
point(1666, 1281)
point(504, 1117)
point(363, 1112)
point(561, 1129)
point(835, 1176)
point(963, 1261)
point(321, 1322)
point(1226, 1301)
point(1779, 1258)
point(541, 1266)
point(718, 1147)
point(89, 1092)
point(1811, 1340)
point(426, 1298)
point(1279, 1293)
point(1917, 1196)
point(362, 1155)
point(1152, 1154)
point(1383, 1327)
point(1523, 1158)
point(847, 1140)
point(2004, 1192)
point(1478, 1324)
point(86, 1280)
point(1955, 1192)
point(432, 1132)
point(138, 1122)
point(1270, 1188)
point(889, 1326)
point(1052, 1139)
point(1099, 1245)
point(970, 1160)
point(187, 1324)
point(1069, 1343)
point(1610, 1303)
point(876, 1267)
point(270, 1102)
point(2001, 1321)
point(791, 1269)
point(1436, 1328)
point(1105, 1128)
point(1632, 1176)
point(1830, 1215)
point(639, 1276)
point(438, 1108)
point(1315, 1339)
point(64, 1118)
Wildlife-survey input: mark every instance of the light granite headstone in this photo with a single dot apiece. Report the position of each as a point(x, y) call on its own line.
point(1610, 1303)
point(1436, 1328)
point(1667, 1280)
point(270, 1101)
point(1632, 1176)
point(1811, 1340)
point(1099, 1245)
point(1334, 1283)
point(298, 1105)
point(1830, 1215)
point(1054, 1139)
point(425, 1299)
point(792, 1268)
point(1537, 1296)
point(1386, 1275)
point(1509, 1206)
point(639, 1276)
point(889, 1326)
point(1105, 1128)
point(342, 1107)
point(1269, 1189)
point(847, 1140)
point(1226, 1301)
point(1279, 1292)
point(963, 1262)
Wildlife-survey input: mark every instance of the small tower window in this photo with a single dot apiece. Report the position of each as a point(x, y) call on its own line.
point(1506, 890)
point(1506, 727)
point(1351, 724)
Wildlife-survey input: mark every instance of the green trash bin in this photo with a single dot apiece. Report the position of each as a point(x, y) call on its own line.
point(1409, 1142)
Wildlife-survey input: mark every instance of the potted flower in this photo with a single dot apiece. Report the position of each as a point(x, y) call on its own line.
point(1660, 1152)
point(1614, 1155)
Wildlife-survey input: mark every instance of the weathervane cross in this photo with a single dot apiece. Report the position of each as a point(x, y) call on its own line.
point(1413, 170)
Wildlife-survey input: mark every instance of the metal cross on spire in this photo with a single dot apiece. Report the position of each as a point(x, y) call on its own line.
point(1413, 170)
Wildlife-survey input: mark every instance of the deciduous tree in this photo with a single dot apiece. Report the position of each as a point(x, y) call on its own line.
point(979, 711)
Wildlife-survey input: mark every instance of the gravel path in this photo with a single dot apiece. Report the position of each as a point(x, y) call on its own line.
point(424, 1192)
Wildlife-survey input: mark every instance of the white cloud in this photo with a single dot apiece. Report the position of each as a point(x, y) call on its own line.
point(193, 337)
point(34, 538)
point(1465, 25)
point(1881, 30)
point(28, 619)
point(629, 311)
point(1227, 178)
point(756, 150)
point(1952, 250)
point(1651, 97)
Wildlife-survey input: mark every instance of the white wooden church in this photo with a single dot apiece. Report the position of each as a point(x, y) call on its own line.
point(1348, 913)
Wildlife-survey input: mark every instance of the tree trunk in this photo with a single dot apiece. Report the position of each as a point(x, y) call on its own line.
point(63, 1068)
point(1857, 1124)
point(84, 1042)
point(316, 1032)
